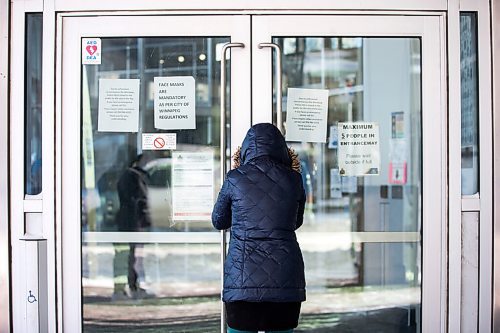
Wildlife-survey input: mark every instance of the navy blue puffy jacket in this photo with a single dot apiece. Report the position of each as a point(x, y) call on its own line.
point(263, 203)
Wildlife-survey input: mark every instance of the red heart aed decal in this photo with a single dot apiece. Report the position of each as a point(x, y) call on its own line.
point(91, 49)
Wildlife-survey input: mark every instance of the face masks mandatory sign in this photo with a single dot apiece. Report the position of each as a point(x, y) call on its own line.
point(359, 149)
point(174, 105)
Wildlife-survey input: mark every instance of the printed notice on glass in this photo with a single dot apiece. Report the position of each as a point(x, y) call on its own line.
point(349, 184)
point(359, 149)
point(307, 111)
point(159, 141)
point(192, 186)
point(118, 105)
point(398, 124)
point(333, 140)
point(335, 184)
point(174, 102)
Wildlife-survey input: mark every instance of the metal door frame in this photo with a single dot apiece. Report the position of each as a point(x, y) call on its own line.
point(5, 315)
point(436, 313)
point(49, 205)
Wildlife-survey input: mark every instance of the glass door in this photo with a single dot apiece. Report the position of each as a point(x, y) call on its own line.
point(145, 140)
point(143, 145)
point(360, 98)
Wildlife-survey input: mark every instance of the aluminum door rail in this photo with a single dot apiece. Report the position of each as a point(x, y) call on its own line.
point(305, 238)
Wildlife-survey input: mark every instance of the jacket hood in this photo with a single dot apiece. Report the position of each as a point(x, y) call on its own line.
point(264, 140)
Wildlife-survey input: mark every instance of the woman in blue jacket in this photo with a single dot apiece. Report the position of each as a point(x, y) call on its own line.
point(262, 201)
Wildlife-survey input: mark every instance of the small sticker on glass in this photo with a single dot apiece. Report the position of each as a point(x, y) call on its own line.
point(159, 141)
point(91, 51)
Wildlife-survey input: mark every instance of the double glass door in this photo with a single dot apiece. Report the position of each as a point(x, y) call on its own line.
point(153, 107)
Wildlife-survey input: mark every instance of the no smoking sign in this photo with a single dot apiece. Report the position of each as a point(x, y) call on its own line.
point(159, 141)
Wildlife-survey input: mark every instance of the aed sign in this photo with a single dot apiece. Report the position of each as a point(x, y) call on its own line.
point(91, 51)
point(358, 149)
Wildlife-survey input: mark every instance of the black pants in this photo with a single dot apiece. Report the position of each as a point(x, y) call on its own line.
point(132, 276)
point(262, 316)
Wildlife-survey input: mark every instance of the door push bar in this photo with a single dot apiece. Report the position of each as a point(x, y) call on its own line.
point(279, 114)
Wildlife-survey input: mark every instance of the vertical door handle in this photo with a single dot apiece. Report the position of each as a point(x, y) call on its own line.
point(279, 114)
point(223, 160)
point(223, 105)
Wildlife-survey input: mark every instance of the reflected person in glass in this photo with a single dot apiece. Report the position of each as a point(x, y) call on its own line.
point(262, 201)
point(133, 216)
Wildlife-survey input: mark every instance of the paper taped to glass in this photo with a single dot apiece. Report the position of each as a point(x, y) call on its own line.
point(359, 149)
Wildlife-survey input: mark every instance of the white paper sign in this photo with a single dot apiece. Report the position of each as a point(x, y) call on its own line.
point(397, 150)
point(307, 111)
point(192, 186)
point(333, 140)
point(118, 105)
point(91, 51)
point(349, 184)
point(174, 104)
point(359, 149)
point(159, 141)
point(335, 184)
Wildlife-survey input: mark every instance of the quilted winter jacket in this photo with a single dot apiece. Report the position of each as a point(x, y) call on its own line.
point(263, 203)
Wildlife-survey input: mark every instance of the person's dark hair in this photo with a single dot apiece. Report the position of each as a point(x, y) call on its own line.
point(136, 159)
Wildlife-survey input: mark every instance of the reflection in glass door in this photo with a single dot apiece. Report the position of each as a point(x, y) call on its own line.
point(148, 121)
point(361, 237)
